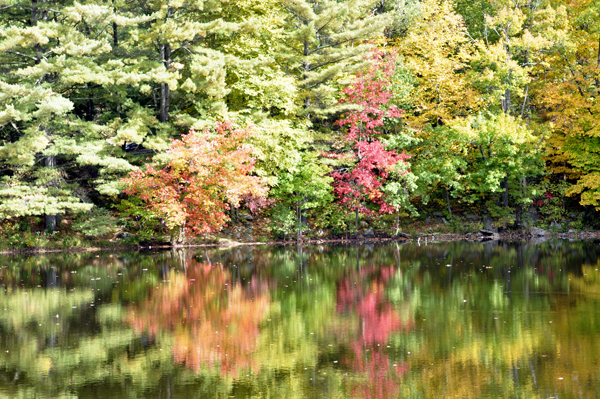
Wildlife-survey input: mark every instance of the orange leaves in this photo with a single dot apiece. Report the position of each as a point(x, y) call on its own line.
point(207, 173)
point(213, 323)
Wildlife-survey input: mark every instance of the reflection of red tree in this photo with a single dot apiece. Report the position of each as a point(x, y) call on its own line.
point(378, 320)
point(212, 322)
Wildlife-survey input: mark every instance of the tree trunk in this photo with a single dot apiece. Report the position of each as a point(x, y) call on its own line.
point(506, 191)
point(115, 37)
point(50, 220)
point(447, 196)
point(356, 222)
point(90, 109)
point(506, 102)
point(178, 237)
point(299, 218)
point(34, 12)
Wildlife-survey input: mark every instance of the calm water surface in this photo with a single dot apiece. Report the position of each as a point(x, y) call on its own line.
point(443, 320)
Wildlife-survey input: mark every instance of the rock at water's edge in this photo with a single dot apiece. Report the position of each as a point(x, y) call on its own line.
point(536, 231)
point(369, 233)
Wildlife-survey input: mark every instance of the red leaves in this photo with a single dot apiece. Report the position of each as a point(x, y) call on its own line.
point(208, 172)
point(370, 91)
point(363, 182)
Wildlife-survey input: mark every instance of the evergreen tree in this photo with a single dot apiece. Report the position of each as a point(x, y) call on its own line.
point(48, 53)
point(84, 85)
point(324, 41)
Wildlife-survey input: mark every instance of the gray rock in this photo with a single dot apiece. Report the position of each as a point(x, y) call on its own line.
point(488, 233)
point(444, 220)
point(472, 218)
point(247, 217)
point(438, 214)
point(364, 224)
point(427, 220)
point(369, 233)
point(403, 235)
point(248, 237)
point(237, 235)
point(487, 224)
point(360, 237)
point(571, 231)
point(123, 236)
point(556, 226)
point(536, 231)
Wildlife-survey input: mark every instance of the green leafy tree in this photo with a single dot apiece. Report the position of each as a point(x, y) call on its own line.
point(324, 41)
point(307, 187)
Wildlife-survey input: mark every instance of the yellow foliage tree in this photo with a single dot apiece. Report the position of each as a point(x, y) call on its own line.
point(437, 50)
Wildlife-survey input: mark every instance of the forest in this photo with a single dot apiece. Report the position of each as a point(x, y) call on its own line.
point(177, 118)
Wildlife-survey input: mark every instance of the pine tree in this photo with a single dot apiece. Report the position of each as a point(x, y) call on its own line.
point(324, 41)
point(84, 84)
point(46, 49)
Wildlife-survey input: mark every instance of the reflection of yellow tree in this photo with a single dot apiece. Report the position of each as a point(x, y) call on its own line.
point(213, 323)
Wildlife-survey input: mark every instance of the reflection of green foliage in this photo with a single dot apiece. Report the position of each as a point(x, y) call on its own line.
point(473, 329)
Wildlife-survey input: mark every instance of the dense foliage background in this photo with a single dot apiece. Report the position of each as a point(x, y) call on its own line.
point(342, 110)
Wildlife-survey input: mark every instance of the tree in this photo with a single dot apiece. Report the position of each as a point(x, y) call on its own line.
point(307, 187)
point(322, 42)
point(363, 181)
point(501, 153)
point(49, 52)
point(569, 88)
point(437, 92)
point(439, 64)
point(517, 37)
point(207, 173)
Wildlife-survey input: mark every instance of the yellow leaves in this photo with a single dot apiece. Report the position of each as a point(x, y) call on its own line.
point(437, 50)
point(507, 22)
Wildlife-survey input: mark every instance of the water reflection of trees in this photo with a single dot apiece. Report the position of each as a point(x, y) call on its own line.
point(362, 292)
point(320, 321)
point(212, 321)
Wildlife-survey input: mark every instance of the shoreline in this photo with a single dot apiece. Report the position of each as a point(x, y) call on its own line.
point(227, 243)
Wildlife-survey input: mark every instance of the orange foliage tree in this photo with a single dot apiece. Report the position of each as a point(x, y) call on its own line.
point(208, 172)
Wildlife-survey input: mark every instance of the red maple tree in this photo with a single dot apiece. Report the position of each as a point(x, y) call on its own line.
point(362, 183)
point(208, 172)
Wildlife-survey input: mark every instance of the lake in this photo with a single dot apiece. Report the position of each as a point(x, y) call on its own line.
point(429, 320)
